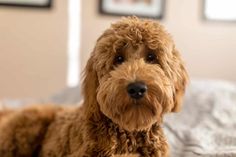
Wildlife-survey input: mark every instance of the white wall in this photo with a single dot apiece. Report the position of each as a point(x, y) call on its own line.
point(209, 48)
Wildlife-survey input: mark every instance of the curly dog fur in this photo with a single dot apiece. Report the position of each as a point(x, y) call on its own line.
point(112, 121)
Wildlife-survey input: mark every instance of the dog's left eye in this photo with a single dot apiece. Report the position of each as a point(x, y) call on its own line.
point(119, 59)
point(151, 58)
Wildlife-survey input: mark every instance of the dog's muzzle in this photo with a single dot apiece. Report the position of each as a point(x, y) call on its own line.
point(136, 90)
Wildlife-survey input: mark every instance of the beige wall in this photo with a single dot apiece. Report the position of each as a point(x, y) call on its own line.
point(209, 48)
point(33, 44)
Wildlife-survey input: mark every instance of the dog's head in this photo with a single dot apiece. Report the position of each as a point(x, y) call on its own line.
point(135, 74)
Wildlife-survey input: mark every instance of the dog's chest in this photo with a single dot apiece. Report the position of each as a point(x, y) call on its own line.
point(132, 142)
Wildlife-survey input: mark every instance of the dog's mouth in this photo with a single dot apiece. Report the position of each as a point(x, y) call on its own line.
point(137, 115)
point(131, 113)
point(138, 94)
point(141, 104)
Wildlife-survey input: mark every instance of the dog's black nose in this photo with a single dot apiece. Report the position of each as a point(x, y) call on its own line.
point(136, 90)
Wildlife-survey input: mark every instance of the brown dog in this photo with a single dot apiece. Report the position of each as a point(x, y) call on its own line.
point(134, 76)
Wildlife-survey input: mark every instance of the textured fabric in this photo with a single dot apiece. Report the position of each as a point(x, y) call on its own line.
point(206, 126)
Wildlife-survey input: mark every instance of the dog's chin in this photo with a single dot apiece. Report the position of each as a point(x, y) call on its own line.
point(137, 117)
point(133, 116)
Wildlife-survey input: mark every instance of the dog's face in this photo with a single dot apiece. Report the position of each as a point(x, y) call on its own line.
point(135, 74)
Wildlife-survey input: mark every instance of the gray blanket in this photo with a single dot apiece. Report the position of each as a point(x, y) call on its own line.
point(206, 126)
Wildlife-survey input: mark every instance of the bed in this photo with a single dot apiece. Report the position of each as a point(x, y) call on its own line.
point(206, 126)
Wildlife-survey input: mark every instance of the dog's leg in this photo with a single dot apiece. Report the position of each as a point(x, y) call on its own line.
point(22, 131)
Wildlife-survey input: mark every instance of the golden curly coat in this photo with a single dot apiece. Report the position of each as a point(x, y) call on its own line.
point(134, 76)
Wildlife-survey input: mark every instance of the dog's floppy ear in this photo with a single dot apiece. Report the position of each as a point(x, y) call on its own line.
point(90, 84)
point(180, 80)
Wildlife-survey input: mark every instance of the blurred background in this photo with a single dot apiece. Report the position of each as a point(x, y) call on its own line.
point(44, 45)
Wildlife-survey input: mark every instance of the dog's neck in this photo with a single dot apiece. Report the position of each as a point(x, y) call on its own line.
point(101, 127)
point(99, 118)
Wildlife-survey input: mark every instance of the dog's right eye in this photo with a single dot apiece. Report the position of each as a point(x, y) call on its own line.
point(151, 58)
point(119, 59)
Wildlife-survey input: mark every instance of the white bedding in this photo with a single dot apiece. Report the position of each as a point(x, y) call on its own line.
point(206, 126)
